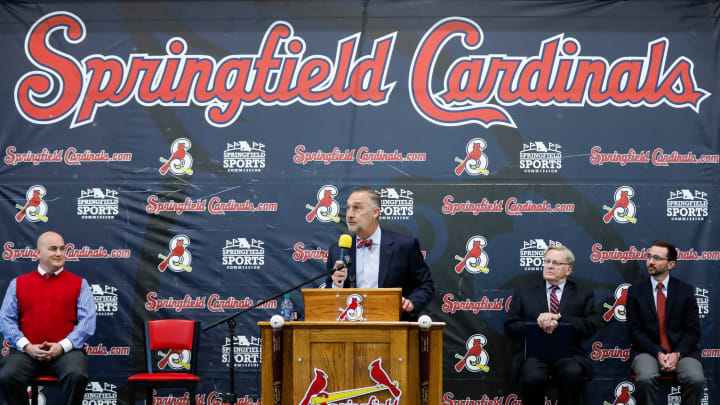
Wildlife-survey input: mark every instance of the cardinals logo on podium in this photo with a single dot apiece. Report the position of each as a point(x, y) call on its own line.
point(179, 258)
point(475, 161)
point(326, 209)
point(617, 309)
point(475, 358)
point(623, 211)
point(174, 359)
point(623, 394)
point(180, 161)
point(316, 394)
point(35, 208)
point(353, 311)
point(475, 260)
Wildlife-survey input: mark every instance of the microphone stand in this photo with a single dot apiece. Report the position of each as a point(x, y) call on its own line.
point(231, 397)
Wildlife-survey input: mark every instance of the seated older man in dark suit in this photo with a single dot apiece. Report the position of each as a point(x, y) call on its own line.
point(547, 302)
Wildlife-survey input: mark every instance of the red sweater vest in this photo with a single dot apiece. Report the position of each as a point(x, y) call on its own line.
point(47, 309)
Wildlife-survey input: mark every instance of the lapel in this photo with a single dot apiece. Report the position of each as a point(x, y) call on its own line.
point(646, 289)
point(672, 292)
point(351, 271)
point(387, 248)
point(541, 296)
point(568, 295)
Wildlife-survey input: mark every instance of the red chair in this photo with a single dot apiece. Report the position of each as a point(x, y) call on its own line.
point(665, 378)
point(43, 380)
point(172, 334)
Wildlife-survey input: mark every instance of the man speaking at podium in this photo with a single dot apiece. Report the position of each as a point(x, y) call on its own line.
point(380, 258)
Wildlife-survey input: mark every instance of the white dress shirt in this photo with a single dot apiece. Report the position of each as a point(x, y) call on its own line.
point(367, 262)
point(558, 293)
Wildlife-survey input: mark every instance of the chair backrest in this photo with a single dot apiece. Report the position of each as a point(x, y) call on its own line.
point(173, 334)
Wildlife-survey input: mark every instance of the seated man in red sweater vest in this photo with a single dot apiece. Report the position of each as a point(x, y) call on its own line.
point(47, 315)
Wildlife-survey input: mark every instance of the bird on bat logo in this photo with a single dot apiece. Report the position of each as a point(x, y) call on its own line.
point(476, 358)
point(180, 161)
point(623, 394)
point(476, 259)
point(475, 161)
point(35, 208)
point(623, 211)
point(326, 209)
point(179, 258)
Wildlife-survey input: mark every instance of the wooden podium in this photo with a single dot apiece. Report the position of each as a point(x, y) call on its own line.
point(369, 353)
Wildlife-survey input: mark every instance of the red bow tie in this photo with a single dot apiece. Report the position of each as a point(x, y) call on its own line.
point(364, 243)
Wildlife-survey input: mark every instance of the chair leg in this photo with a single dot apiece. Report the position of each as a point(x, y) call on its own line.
point(34, 394)
point(193, 395)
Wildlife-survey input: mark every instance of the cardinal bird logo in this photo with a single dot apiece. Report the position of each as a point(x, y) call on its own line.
point(179, 258)
point(316, 394)
point(623, 394)
point(316, 387)
point(353, 311)
point(475, 260)
point(475, 358)
point(378, 374)
point(623, 211)
point(617, 309)
point(180, 161)
point(326, 209)
point(35, 208)
point(475, 162)
point(174, 359)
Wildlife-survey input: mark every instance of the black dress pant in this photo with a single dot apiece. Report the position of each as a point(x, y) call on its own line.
point(567, 376)
point(19, 370)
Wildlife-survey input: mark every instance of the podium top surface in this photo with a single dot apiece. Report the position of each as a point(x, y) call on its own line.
point(352, 304)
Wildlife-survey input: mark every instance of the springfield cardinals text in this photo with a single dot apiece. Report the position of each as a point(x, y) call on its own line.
point(300, 254)
point(510, 206)
point(657, 157)
point(599, 255)
point(476, 88)
point(71, 253)
point(599, 353)
point(512, 399)
point(364, 156)
point(213, 303)
point(450, 305)
point(214, 206)
point(69, 156)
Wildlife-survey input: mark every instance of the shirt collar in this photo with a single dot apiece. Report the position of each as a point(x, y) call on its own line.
point(375, 236)
point(43, 271)
point(655, 283)
point(561, 286)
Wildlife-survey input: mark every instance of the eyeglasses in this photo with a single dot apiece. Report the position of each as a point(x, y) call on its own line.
point(656, 258)
point(554, 263)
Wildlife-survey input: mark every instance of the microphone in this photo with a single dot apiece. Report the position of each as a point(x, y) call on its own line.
point(345, 243)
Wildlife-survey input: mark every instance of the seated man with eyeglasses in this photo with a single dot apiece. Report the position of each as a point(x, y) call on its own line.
point(547, 301)
point(664, 329)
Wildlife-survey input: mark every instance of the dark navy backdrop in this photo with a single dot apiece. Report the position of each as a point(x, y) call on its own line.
point(110, 208)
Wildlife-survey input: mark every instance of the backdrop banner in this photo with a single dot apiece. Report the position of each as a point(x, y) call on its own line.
point(197, 156)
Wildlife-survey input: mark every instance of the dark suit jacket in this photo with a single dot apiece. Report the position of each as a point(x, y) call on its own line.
point(576, 307)
point(401, 265)
point(681, 319)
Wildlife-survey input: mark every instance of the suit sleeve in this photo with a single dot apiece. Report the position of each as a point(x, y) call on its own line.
point(422, 284)
point(688, 342)
point(333, 254)
point(515, 321)
point(639, 336)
